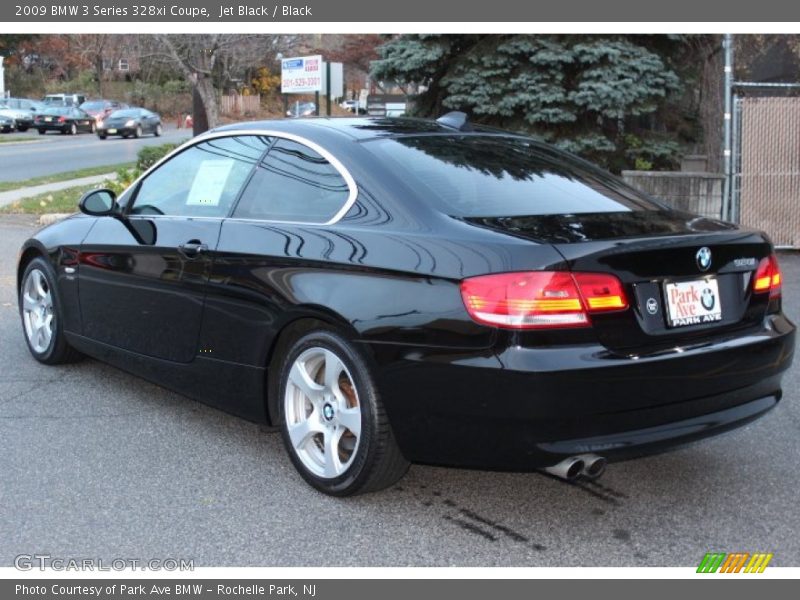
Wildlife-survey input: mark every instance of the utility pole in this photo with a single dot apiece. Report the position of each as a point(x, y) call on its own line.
point(2, 78)
point(727, 150)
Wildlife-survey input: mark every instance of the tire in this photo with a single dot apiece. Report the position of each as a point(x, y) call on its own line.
point(93, 127)
point(42, 132)
point(137, 132)
point(157, 131)
point(365, 461)
point(73, 129)
point(41, 315)
point(102, 136)
point(22, 129)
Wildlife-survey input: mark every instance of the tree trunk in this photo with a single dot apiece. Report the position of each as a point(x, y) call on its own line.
point(205, 107)
point(712, 102)
point(99, 72)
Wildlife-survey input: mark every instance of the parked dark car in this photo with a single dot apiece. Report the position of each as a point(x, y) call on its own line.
point(386, 290)
point(100, 109)
point(130, 122)
point(6, 124)
point(65, 119)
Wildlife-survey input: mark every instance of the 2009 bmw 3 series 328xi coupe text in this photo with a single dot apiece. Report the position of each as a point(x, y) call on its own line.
point(386, 291)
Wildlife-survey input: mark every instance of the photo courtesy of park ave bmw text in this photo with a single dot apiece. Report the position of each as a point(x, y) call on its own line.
point(359, 290)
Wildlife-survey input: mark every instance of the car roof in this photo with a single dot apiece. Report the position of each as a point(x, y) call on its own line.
point(359, 128)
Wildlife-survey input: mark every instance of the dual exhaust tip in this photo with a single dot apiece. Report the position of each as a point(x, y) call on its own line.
point(589, 466)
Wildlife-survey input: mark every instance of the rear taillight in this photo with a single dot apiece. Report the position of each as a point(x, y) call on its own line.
point(541, 299)
point(768, 277)
point(61, 119)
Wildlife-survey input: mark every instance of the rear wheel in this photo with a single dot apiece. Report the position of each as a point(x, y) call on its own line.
point(102, 136)
point(40, 310)
point(23, 128)
point(332, 420)
point(42, 132)
point(73, 129)
point(157, 130)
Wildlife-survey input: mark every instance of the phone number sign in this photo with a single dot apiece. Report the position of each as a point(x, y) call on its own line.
point(301, 74)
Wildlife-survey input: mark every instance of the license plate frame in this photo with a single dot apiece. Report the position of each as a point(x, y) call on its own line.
point(112, 131)
point(692, 302)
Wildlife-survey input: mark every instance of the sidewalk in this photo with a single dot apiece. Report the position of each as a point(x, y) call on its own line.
point(15, 195)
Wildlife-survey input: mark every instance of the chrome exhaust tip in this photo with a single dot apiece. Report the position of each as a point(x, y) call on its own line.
point(568, 469)
point(593, 465)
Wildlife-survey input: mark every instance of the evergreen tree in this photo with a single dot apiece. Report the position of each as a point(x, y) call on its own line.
point(599, 96)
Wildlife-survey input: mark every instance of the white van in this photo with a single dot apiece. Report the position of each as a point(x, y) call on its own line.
point(64, 99)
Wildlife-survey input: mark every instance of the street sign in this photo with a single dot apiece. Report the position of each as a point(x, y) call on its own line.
point(337, 81)
point(301, 74)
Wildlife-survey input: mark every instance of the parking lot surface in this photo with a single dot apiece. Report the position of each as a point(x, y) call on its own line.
point(98, 463)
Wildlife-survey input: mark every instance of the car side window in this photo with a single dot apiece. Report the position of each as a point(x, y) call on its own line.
point(201, 181)
point(293, 183)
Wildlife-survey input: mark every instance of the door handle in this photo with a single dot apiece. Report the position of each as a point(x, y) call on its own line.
point(192, 248)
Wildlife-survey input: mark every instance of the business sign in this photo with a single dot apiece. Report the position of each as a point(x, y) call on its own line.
point(301, 75)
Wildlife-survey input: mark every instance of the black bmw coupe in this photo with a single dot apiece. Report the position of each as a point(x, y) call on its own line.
point(385, 291)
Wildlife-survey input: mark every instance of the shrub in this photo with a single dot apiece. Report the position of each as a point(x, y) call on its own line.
point(150, 155)
point(145, 158)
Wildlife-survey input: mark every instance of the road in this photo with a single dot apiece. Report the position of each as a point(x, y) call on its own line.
point(56, 152)
point(98, 463)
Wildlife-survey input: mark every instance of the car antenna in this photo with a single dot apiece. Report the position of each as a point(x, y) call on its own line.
point(455, 120)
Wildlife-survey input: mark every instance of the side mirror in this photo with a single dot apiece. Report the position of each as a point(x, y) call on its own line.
point(99, 203)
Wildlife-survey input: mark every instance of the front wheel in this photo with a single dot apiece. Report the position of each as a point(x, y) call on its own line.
point(137, 133)
point(40, 310)
point(332, 420)
point(158, 130)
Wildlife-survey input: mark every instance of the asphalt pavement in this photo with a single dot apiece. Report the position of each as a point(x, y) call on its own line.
point(54, 153)
point(98, 463)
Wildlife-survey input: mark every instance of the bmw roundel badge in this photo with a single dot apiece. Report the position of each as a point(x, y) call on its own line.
point(703, 258)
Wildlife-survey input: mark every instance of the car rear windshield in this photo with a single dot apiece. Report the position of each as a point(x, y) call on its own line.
point(127, 113)
point(58, 110)
point(494, 176)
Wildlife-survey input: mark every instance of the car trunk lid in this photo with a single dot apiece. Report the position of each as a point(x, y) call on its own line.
point(688, 278)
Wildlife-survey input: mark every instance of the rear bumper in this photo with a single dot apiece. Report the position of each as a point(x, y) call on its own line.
point(117, 131)
point(526, 408)
point(51, 126)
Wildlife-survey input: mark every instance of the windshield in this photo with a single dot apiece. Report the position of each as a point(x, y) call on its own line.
point(483, 176)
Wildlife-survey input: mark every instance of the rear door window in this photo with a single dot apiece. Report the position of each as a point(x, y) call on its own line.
point(294, 183)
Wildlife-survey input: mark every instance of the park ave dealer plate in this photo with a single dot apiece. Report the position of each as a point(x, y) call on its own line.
point(693, 302)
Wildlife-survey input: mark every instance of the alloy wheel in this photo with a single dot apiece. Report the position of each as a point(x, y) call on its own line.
point(323, 413)
point(37, 311)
